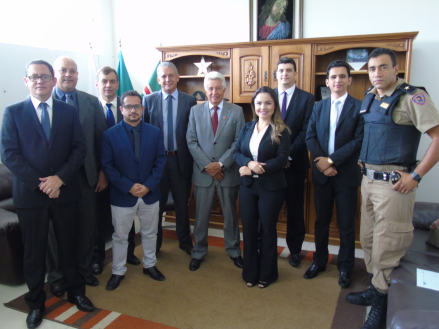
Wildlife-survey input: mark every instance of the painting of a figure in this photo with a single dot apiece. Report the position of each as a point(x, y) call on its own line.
point(275, 19)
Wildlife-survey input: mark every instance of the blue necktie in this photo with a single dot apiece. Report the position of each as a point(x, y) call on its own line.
point(170, 126)
point(284, 106)
point(45, 120)
point(110, 116)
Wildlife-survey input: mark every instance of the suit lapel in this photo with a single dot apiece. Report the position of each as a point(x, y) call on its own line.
point(292, 102)
point(208, 119)
point(326, 120)
point(56, 120)
point(180, 107)
point(346, 109)
point(223, 119)
point(82, 103)
point(158, 106)
point(265, 138)
point(30, 113)
point(124, 137)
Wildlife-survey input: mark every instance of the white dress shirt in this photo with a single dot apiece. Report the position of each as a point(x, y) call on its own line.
point(334, 116)
point(39, 111)
point(114, 108)
point(289, 92)
point(255, 140)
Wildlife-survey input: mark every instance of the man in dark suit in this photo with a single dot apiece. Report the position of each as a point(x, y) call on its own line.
point(42, 143)
point(160, 107)
point(91, 177)
point(107, 83)
point(296, 107)
point(211, 136)
point(133, 159)
point(334, 138)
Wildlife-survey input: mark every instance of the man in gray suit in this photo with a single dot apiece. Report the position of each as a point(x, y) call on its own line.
point(211, 136)
point(91, 177)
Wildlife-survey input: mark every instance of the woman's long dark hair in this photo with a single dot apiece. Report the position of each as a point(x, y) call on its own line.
point(276, 123)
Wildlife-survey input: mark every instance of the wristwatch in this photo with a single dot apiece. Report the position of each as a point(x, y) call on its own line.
point(416, 176)
point(330, 161)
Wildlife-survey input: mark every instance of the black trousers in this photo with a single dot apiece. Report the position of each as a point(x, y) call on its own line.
point(103, 215)
point(34, 224)
point(346, 203)
point(180, 189)
point(295, 200)
point(260, 206)
point(84, 237)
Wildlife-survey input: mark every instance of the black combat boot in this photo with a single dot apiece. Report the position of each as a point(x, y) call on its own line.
point(378, 313)
point(364, 298)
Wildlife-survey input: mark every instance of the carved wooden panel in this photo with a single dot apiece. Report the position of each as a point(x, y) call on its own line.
point(396, 45)
point(221, 53)
point(250, 72)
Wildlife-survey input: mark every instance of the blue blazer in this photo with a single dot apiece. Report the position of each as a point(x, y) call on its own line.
point(122, 169)
point(153, 115)
point(297, 117)
point(275, 156)
point(348, 140)
point(27, 153)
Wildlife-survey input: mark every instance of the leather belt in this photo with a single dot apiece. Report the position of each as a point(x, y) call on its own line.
point(172, 153)
point(376, 175)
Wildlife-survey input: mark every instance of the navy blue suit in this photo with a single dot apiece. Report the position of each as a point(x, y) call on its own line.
point(27, 153)
point(298, 113)
point(343, 186)
point(123, 170)
point(178, 170)
point(261, 200)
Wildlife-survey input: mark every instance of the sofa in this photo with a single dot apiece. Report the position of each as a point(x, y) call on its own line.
point(11, 245)
point(409, 306)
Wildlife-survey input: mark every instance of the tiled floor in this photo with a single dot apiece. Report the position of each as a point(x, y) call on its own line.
point(11, 319)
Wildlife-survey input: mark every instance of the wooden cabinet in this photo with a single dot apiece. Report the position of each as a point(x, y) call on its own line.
point(250, 65)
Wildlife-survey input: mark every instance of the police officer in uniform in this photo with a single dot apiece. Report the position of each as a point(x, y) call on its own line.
point(395, 116)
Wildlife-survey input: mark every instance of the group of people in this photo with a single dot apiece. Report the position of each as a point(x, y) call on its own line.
point(73, 155)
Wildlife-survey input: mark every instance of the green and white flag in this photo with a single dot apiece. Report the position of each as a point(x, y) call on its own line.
point(152, 85)
point(124, 78)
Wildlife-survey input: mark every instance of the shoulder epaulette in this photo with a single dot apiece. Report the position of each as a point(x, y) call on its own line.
point(371, 87)
point(407, 88)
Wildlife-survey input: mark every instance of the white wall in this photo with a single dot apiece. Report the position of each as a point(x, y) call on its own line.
point(323, 18)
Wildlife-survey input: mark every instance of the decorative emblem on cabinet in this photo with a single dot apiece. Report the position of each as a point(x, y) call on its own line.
point(171, 55)
point(223, 53)
point(399, 44)
point(250, 76)
point(324, 48)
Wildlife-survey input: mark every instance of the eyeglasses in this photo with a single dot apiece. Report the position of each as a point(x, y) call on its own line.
point(44, 77)
point(129, 106)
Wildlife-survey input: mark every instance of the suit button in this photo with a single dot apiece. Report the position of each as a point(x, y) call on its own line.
point(214, 143)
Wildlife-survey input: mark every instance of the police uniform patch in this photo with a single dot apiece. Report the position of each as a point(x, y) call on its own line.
point(419, 99)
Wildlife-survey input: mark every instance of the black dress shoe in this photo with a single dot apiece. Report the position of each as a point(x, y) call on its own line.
point(114, 282)
point(363, 298)
point(294, 260)
point(345, 279)
point(154, 273)
point(195, 264)
point(313, 271)
point(91, 280)
point(238, 261)
point(35, 317)
point(133, 260)
point(82, 303)
point(96, 269)
point(57, 289)
point(188, 249)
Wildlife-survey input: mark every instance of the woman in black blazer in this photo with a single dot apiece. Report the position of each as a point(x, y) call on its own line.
point(262, 152)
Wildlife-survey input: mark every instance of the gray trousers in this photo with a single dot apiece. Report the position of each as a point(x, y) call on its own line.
point(123, 218)
point(204, 200)
point(84, 240)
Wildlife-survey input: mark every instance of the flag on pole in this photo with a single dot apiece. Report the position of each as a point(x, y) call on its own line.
point(91, 89)
point(124, 78)
point(152, 84)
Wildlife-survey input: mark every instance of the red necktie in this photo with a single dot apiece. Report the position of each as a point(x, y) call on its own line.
point(215, 119)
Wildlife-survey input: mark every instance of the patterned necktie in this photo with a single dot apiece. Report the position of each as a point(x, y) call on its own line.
point(215, 119)
point(170, 126)
point(45, 120)
point(69, 100)
point(110, 116)
point(284, 105)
